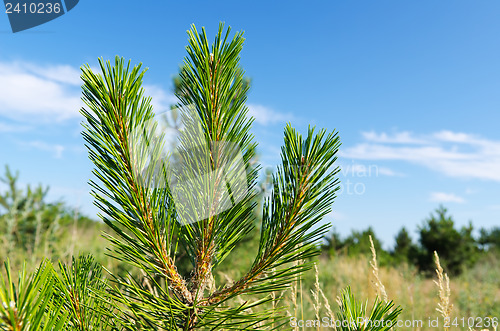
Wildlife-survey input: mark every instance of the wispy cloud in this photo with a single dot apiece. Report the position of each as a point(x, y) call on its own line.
point(31, 92)
point(58, 73)
point(451, 153)
point(370, 170)
point(404, 137)
point(55, 149)
point(445, 197)
point(265, 116)
point(336, 216)
point(389, 172)
point(160, 98)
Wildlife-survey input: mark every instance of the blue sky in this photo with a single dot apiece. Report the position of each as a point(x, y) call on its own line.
point(412, 87)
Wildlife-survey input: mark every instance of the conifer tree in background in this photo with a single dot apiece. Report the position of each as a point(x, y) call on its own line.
point(457, 248)
point(27, 222)
point(150, 221)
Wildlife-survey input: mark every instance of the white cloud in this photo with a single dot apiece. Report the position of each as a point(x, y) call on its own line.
point(336, 216)
point(370, 170)
point(446, 197)
point(355, 170)
point(31, 93)
point(404, 137)
point(454, 136)
point(58, 73)
point(265, 116)
point(161, 100)
point(451, 153)
point(389, 172)
point(55, 149)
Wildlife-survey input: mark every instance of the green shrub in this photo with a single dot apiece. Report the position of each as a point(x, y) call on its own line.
point(457, 249)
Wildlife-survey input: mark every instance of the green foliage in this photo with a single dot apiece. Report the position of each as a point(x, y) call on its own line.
point(333, 243)
point(478, 285)
point(353, 314)
point(456, 248)
point(147, 224)
point(26, 220)
point(173, 122)
point(490, 239)
point(80, 288)
point(75, 299)
point(356, 243)
point(30, 225)
point(405, 250)
point(27, 304)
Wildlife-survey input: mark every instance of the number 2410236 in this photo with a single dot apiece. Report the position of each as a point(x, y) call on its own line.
point(33, 8)
point(478, 322)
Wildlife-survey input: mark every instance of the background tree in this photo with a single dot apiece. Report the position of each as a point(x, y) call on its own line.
point(30, 225)
point(333, 243)
point(357, 243)
point(490, 239)
point(405, 250)
point(456, 248)
point(25, 214)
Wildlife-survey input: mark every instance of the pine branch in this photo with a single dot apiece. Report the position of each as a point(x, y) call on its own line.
point(304, 189)
point(27, 305)
point(116, 108)
point(353, 314)
point(213, 92)
point(79, 289)
point(202, 197)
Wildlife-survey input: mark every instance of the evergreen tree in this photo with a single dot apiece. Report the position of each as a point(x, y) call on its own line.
point(153, 207)
point(404, 250)
point(490, 239)
point(27, 221)
point(456, 249)
point(333, 243)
